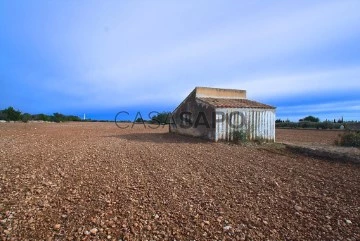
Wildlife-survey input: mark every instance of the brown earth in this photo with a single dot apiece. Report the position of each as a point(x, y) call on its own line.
point(310, 136)
point(94, 181)
point(320, 143)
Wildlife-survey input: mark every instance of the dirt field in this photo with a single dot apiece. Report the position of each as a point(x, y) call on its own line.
point(94, 181)
point(322, 137)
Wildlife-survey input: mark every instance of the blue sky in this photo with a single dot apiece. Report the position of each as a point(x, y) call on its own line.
point(101, 57)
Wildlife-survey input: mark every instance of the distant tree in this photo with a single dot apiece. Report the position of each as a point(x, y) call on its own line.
point(161, 118)
point(72, 118)
point(3, 116)
point(25, 117)
point(11, 114)
point(41, 117)
point(310, 119)
point(58, 117)
point(138, 120)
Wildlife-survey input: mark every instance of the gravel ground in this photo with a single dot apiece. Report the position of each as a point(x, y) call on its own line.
point(94, 181)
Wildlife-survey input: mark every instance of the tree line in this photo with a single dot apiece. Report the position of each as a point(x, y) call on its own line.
point(10, 114)
point(313, 123)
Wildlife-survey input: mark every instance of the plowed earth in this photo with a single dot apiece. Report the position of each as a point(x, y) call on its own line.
point(308, 136)
point(94, 181)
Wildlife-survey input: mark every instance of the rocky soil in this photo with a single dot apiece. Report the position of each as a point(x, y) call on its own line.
point(94, 181)
point(318, 143)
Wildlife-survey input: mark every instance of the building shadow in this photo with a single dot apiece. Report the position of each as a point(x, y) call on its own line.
point(160, 138)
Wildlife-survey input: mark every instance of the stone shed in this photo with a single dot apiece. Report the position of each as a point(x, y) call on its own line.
point(217, 114)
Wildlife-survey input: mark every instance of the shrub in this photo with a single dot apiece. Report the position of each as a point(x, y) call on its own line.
point(325, 125)
point(349, 139)
point(287, 125)
point(25, 117)
point(306, 124)
point(239, 136)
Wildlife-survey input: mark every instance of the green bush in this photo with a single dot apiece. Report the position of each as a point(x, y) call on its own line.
point(25, 117)
point(287, 125)
point(327, 125)
point(349, 139)
point(307, 124)
point(239, 137)
point(10, 114)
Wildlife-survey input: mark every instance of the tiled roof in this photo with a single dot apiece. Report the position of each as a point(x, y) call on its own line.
point(234, 103)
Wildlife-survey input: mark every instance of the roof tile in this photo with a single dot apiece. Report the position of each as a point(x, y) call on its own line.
point(234, 103)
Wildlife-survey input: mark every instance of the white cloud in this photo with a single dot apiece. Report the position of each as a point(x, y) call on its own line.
point(330, 81)
point(339, 106)
point(349, 110)
point(141, 53)
point(270, 37)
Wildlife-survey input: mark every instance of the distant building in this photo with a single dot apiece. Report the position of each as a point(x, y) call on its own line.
point(217, 114)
